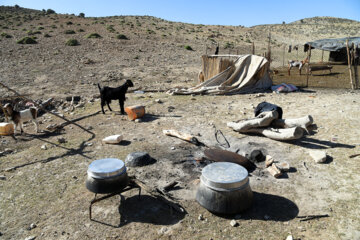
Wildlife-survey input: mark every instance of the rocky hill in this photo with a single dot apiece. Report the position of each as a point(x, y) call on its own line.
point(70, 54)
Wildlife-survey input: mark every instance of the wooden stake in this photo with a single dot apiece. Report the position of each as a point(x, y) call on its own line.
point(253, 48)
point(322, 55)
point(269, 50)
point(349, 65)
point(284, 56)
point(353, 53)
point(308, 66)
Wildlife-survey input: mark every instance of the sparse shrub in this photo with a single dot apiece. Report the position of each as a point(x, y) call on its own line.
point(5, 35)
point(82, 15)
point(81, 30)
point(50, 11)
point(17, 6)
point(110, 28)
point(93, 35)
point(27, 40)
point(40, 28)
point(69, 32)
point(30, 32)
point(149, 31)
point(47, 35)
point(121, 36)
point(69, 23)
point(187, 47)
point(228, 45)
point(72, 42)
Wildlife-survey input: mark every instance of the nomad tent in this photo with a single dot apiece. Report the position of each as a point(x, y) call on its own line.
point(231, 74)
point(337, 47)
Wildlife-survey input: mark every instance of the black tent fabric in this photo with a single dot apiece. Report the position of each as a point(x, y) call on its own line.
point(336, 44)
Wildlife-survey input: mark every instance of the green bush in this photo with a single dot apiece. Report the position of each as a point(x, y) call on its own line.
point(81, 30)
point(27, 40)
point(121, 36)
point(72, 42)
point(69, 32)
point(50, 11)
point(82, 15)
point(110, 28)
point(93, 35)
point(187, 47)
point(30, 32)
point(5, 35)
point(47, 35)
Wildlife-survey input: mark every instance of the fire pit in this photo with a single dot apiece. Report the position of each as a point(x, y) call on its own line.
point(108, 176)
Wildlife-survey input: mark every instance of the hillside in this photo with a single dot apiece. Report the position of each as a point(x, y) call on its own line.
point(153, 51)
point(42, 174)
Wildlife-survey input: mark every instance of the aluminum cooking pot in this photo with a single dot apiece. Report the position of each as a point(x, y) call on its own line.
point(224, 188)
point(106, 176)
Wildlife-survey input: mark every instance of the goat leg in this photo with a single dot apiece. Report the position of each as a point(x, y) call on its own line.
point(121, 103)
point(102, 107)
point(107, 103)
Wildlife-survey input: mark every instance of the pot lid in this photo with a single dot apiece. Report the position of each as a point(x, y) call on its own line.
point(106, 168)
point(224, 175)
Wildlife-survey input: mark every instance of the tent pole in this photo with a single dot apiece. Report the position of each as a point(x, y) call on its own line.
point(308, 66)
point(322, 56)
point(349, 65)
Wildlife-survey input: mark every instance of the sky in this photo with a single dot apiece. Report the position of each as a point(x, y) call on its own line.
point(209, 12)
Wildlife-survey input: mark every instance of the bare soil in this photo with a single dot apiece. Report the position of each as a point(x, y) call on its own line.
point(47, 187)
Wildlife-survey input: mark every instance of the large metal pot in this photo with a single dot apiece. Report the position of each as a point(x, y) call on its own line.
point(106, 176)
point(224, 188)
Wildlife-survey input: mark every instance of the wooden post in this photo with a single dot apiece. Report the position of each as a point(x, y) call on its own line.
point(308, 66)
point(284, 56)
point(253, 48)
point(269, 50)
point(322, 56)
point(353, 56)
point(349, 65)
point(206, 50)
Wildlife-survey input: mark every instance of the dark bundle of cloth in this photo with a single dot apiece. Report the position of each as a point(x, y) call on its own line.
point(267, 107)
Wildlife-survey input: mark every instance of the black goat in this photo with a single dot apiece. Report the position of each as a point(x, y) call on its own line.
point(108, 93)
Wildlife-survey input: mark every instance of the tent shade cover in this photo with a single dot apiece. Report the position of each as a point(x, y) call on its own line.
point(246, 74)
point(336, 44)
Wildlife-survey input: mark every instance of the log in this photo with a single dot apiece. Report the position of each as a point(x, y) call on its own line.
point(279, 134)
point(274, 171)
point(303, 122)
point(264, 119)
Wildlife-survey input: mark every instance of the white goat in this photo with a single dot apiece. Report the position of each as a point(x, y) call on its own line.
point(23, 116)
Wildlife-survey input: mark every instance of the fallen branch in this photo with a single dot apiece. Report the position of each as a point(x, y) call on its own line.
point(354, 155)
point(158, 195)
point(183, 136)
point(311, 217)
point(170, 186)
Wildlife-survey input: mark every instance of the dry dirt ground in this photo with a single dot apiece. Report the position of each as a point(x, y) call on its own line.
point(49, 191)
point(48, 186)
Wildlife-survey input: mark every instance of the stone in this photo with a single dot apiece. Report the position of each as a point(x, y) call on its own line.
point(44, 147)
point(2, 177)
point(158, 100)
point(30, 238)
point(138, 159)
point(283, 166)
point(290, 237)
point(201, 218)
point(233, 223)
point(274, 171)
point(61, 140)
point(256, 156)
point(318, 156)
